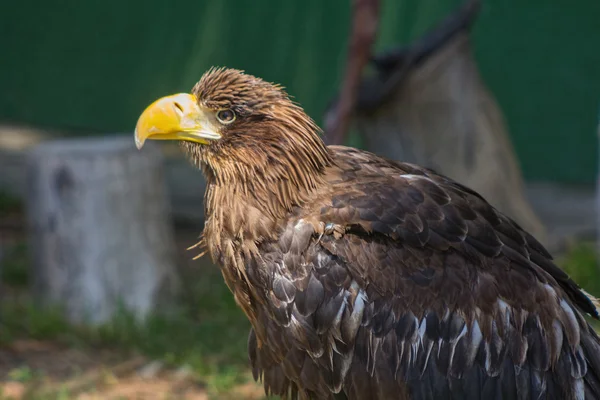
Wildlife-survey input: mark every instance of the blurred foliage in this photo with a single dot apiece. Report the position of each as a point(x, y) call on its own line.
point(22, 374)
point(581, 263)
point(9, 204)
point(14, 267)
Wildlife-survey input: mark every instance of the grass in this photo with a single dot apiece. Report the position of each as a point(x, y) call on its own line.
point(581, 263)
point(209, 334)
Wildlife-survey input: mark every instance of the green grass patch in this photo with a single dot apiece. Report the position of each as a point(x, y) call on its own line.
point(209, 333)
point(581, 263)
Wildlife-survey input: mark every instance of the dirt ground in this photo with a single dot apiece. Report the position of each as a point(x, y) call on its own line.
point(31, 368)
point(43, 369)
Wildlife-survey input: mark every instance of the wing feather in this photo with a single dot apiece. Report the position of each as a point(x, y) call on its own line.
point(430, 293)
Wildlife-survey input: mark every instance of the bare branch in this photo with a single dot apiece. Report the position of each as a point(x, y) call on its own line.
point(364, 29)
point(393, 65)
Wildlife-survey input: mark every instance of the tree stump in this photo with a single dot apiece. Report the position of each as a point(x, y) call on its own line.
point(101, 238)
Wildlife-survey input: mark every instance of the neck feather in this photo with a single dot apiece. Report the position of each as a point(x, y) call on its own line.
point(272, 166)
point(251, 187)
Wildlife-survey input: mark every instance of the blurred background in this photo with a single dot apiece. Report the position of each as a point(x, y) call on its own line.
point(503, 96)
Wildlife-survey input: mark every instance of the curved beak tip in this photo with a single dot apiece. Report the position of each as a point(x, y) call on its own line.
point(138, 142)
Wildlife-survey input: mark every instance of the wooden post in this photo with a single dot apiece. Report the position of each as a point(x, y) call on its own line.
point(99, 226)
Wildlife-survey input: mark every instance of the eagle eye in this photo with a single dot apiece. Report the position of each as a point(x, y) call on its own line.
point(226, 116)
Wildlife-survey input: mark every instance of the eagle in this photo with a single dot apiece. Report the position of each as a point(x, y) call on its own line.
point(367, 278)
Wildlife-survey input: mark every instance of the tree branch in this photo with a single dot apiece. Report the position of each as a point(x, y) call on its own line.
point(364, 30)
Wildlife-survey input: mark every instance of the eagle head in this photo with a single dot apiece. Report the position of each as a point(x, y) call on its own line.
point(237, 127)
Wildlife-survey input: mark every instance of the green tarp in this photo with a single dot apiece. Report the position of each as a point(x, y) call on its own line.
point(93, 66)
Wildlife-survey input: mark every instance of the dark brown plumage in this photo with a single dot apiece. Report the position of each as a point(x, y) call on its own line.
point(365, 278)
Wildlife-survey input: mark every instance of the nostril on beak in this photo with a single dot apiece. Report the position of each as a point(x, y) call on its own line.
point(179, 108)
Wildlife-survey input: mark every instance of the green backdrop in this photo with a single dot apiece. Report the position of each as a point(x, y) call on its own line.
point(94, 65)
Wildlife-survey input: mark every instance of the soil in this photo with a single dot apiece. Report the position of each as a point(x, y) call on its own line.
point(44, 369)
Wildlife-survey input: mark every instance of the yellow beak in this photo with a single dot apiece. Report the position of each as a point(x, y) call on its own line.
point(176, 117)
